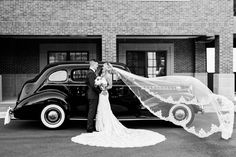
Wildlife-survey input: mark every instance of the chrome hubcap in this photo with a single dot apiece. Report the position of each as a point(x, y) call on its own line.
point(180, 114)
point(53, 116)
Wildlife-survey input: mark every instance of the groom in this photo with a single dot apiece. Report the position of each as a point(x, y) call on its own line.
point(92, 95)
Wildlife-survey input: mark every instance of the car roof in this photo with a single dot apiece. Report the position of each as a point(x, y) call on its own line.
point(79, 63)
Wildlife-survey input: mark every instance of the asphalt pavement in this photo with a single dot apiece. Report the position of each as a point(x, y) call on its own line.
point(29, 139)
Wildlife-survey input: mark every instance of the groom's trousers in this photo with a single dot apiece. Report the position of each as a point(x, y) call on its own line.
point(92, 110)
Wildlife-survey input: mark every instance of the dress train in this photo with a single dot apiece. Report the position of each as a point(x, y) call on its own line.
point(111, 133)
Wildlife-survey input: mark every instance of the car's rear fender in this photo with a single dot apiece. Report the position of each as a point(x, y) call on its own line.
point(45, 97)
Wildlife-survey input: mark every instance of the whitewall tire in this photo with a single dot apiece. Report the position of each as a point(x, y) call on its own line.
point(182, 114)
point(52, 116)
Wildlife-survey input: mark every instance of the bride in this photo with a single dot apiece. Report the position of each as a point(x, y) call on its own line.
point(109, 131)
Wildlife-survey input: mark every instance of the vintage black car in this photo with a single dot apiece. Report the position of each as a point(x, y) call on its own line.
point(58, 94)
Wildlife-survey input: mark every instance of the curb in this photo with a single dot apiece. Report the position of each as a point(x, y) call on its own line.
point(2, 114)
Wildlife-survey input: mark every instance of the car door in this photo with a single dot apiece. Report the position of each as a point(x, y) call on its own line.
point(77, 86)
point(123, 102)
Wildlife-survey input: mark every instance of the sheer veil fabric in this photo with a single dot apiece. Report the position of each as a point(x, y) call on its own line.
point(217, 111)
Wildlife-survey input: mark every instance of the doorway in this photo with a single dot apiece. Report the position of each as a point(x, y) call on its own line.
point(147, 63)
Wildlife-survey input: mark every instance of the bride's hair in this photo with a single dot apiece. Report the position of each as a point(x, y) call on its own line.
point(107, 67)
point(99, 71)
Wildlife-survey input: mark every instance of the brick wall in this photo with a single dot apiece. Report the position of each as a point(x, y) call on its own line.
point(19, 57)
point(200, 58)
point(184, 56)
point(19, 62)
point(224, 53)
point(12, 84)
point(116, 17)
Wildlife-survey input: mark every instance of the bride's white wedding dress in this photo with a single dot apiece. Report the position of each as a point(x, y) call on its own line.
point(111, 133)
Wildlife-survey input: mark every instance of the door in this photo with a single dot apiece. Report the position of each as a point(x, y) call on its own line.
point(147, 63)
point(78, 88)
point(135, 60)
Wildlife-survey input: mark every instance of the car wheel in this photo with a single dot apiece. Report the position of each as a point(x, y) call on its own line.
point(53, 116)
point(182, 114)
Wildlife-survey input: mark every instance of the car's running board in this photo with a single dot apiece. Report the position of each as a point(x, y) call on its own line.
point(121, 119)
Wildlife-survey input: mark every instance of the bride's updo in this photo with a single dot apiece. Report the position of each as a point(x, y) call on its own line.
point(107, 73)
point(107, 67)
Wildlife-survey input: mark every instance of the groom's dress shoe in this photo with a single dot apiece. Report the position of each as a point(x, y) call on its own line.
point(91, 130)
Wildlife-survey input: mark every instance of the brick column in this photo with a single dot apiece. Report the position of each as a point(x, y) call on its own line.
point(0, 88)
point(200, 62)
point(109, 47)
point(224, 77)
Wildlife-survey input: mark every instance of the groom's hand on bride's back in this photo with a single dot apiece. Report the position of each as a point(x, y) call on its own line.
point(98, 90)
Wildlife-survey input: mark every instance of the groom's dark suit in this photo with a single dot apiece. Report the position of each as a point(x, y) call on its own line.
point(93, 95)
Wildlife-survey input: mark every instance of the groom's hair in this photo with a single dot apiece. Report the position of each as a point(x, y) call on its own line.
point(92, 61)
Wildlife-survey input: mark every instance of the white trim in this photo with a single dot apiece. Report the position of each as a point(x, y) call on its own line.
point(224, 85)
point(158, 37)
point(184, 74)
point(162, 0)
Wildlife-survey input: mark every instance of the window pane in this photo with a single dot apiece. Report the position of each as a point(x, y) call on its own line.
point(72, 56)
point(79, 74)
point(161, 63)
point(151, 64)
point(58, 76)
point(79, 56)
point(57, 56)
point(84, 56)
point(150, 55)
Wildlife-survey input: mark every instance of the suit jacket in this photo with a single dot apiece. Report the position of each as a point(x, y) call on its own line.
point(92, 91)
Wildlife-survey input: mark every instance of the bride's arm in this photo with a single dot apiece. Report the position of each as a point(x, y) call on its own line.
point(109, 81)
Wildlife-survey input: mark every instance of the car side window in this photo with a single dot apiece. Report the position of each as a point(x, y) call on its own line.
point(58, 76)
point(79, 74)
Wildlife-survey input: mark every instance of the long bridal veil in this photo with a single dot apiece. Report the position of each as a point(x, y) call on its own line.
point(183, 100)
